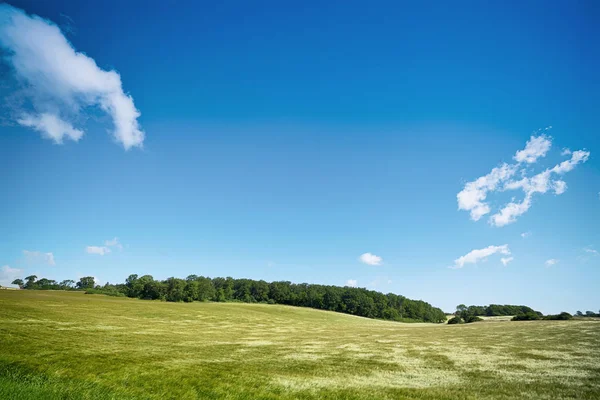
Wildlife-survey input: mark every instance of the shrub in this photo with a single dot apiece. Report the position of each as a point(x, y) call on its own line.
point(455, 320)
point(563, 316)
point(472, 318)
point(529, 316)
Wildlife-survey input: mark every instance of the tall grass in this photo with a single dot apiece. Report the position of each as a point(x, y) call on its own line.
point(68, 345)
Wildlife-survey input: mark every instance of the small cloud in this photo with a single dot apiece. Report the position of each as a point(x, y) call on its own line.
point(99, 250)
point(8, 274)
point(525, 235)
point(475, 256)
point(370, 259)
point(506, 260)
point(37, 257)
point(535, 148)
point(102, 250)
point(351, 282)
point(590, 250)
point(113, 243)
point(565, 152)
point(551, 262)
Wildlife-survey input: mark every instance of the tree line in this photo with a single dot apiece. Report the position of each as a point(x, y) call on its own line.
point(349, 300)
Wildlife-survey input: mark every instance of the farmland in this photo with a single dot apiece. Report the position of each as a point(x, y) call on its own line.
point(56, 344)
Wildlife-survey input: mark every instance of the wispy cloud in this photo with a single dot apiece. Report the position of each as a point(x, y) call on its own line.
point(590, 250)
point(37, 257)
point(536, 147)
point(475, 256)
point(474, 194)
point(370, 259)
point(551, 262)
point(59, 84)
point(114, 243)
point(8, 274)
point(103, 250)
point(99, 250)
point(525, 235)
point(351, 282)
point(506, 260)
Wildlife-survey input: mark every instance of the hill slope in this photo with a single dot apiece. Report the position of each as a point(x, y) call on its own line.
point(72, 345)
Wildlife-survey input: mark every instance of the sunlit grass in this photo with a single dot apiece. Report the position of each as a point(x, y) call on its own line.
point(70, 345)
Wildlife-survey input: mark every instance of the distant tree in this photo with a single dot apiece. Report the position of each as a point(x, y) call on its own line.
point(67, 284)
point(529, 316)
point(579, 314)
point(30, 281)
point(19, 282)
point(455, 320)
point(563, 316)
point(87, 282)
point(590, 314)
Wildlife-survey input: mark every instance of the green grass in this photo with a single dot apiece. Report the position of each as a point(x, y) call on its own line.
point(68, 345)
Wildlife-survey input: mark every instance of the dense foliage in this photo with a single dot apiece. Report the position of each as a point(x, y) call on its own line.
point(496, 310)
point(349, 300)
point(532, 316)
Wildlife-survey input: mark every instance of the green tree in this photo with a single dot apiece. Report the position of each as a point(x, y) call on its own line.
point(30, 281)
point(67, 284)
point(19, 283)
point(87, 282)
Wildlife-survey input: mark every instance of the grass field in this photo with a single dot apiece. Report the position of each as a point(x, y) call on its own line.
point(63, 345)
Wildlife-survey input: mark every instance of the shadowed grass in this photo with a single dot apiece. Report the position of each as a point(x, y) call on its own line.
point(67, 345)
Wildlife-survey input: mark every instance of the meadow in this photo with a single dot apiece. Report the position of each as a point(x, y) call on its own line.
point(69, 345)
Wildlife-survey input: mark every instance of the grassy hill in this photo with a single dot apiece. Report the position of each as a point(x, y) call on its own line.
point(68, 345)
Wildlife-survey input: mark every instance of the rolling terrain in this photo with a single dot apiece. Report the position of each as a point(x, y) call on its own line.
point(69, 345)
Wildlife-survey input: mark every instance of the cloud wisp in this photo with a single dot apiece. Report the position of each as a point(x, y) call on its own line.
point(37, 257)
point(474, 194)
point(551, 262)
point(59, 83)
point(351, 282)
point(475, 256)
point(370, 259)
point(103, 250)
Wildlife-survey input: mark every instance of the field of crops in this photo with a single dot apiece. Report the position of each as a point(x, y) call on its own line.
point(57, 345)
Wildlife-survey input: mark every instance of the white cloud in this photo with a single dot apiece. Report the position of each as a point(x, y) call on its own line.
point(59, 83)
point(475, 256)
point(474, 194)
point(472, 197)
point(370, 259)
point(99, 250)
point(525, 234)
point(102, 250)
point(579, 156)
point(535, 148)
point(113, 243)
point(37, 257)
point(565, 152)
point(510, 212)
point(51, 127)
point(550, 262)
point(351, 282)
point(590, 250)
point(8, 274)
point(506, 260)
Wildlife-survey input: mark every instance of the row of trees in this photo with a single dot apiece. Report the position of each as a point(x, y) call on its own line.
point(533, 316)
point(349, 300)
point(32, 282)
point(493, 310)
point(588, 314)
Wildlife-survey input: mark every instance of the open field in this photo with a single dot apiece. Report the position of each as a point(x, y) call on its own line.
point(71, 345)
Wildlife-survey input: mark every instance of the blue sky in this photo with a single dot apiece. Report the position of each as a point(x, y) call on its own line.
point(282, 142)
